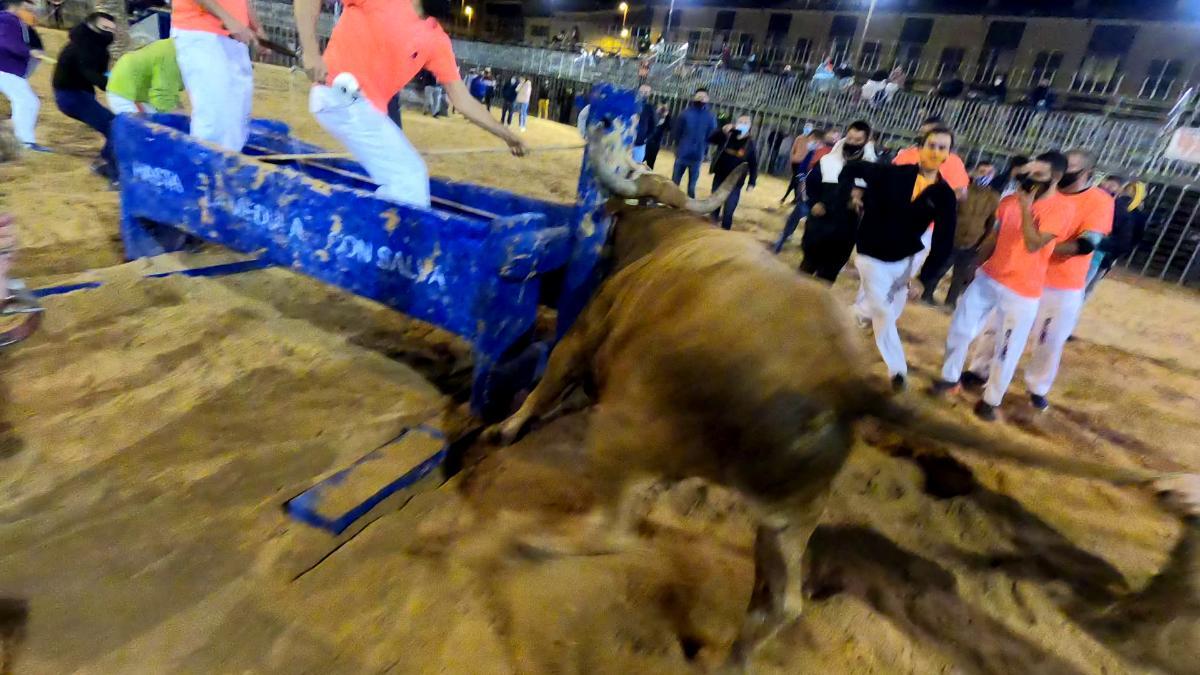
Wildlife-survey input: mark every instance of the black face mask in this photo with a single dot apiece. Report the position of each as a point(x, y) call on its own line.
point(698, 104)
point(1069, 178)
point(1030, 184)
point(851, 151)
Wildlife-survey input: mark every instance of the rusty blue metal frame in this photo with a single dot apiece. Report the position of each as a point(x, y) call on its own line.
point(473, 264)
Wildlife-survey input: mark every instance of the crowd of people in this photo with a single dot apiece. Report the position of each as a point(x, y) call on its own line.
point(1024, 246)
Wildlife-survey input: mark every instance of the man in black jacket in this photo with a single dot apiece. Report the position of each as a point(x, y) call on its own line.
point(647, 121)
point(80, 71)
point(735, 147)
point(894, 206)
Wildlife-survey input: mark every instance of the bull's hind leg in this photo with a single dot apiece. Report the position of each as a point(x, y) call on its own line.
point(568, 362)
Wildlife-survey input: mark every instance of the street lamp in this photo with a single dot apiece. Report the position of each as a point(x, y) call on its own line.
point(624, 33)
point(624, 8)
point(866, 26)
point(470, 12)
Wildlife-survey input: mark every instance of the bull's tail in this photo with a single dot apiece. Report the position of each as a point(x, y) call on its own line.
point(918, 419)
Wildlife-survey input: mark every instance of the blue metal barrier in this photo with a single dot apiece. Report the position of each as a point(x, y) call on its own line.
point(473, 264)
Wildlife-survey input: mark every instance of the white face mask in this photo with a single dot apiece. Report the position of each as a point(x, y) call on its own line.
point(743, 129)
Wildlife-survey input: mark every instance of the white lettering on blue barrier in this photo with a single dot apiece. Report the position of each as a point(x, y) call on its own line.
point(352, 248)
point(266, 218)
point(163, 179)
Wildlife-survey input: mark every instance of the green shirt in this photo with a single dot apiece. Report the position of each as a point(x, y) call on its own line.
point(149, 75)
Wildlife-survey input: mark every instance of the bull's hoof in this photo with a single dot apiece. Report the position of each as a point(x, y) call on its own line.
point(506, 432)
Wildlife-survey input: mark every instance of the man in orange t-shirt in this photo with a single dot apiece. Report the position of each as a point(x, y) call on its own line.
point(213, 39)
point(378, 47)
point(1010, 281)
point(1066, 277)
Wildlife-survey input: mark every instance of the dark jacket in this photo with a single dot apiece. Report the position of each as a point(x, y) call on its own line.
point(733, 150)
point(84, 61)
point(692, 130)
point(647, 120)
point(831, 196)
point(661, 126)
point(892, 221)
point(509, 92)
point(14, 45)
point(1127, 230)
point(976, 216)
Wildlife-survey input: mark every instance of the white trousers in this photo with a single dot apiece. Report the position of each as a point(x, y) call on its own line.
point(119, 104)
point(919, 258)
point(860, 300)
point(376, 142)
point(1057, 315)
point(1014, 316)
point(220, 85)
point(25, 106)
point(885, 292)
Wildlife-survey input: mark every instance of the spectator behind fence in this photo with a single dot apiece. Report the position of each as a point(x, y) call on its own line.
point(874, 90)
point(735, 146)
point(1041, 96)
point(696, 123)
point(951, 87)
point(997, 91)
point(823, 80)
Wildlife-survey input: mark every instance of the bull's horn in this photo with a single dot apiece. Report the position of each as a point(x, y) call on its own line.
point(605, 172)
point(718, 197)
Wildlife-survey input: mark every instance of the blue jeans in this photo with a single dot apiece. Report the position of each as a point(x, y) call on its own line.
point(793, 221)
point(693, 169)
point(523, 111)
point(639, 153)
point(725, 213)
point(83, 106)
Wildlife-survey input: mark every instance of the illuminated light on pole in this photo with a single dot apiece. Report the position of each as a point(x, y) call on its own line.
point(624, 9)
point(470, 12)
point(866, 26)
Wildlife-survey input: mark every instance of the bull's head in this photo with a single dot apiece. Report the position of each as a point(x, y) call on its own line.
point(618, 174)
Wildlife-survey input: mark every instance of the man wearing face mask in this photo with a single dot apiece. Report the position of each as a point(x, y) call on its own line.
point(1066, 276)
point(696, 123)
point(1010, 281)
point(81, 69)
point(895, 205)
point(976, 215)
point(829, 231)
point(735, 147)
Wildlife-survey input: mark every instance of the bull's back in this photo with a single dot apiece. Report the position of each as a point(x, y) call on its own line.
point(724, 341)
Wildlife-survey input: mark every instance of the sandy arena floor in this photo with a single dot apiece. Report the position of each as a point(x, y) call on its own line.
point(150, 432)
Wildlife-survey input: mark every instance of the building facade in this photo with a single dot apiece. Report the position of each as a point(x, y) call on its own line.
point(1147, 50)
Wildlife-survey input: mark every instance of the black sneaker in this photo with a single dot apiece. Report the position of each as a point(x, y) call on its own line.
point(1039, 402)
point(985, 412)
point(942, 387)
point(899, 383)
point(973, 382)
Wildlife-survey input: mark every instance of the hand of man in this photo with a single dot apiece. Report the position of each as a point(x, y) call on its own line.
point(1025, 199)
point(314, 67)
point(915, 289)
point(245, 35)
point(727, 128)
point(818, 210)
point(515, 144)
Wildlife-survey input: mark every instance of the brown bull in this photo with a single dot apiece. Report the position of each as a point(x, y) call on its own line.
point(713, 359)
